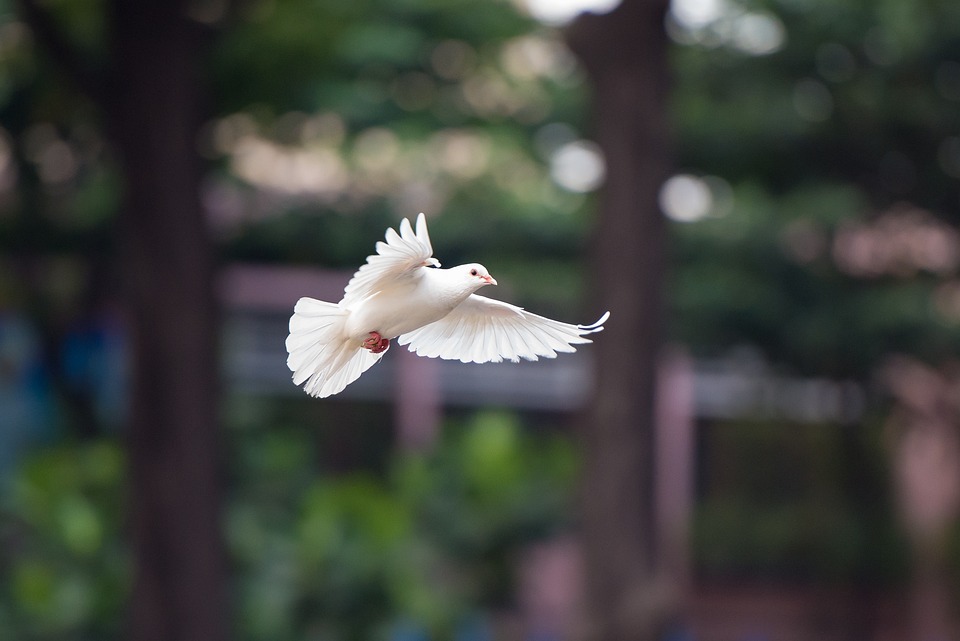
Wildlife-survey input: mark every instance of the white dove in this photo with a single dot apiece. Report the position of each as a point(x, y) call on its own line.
point(400, 292)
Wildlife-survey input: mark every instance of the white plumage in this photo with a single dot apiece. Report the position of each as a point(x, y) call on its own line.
point(401, 292)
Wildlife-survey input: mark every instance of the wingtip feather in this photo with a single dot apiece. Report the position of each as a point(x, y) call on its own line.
point(406, 231)
point(422, 234)
point(595, 326)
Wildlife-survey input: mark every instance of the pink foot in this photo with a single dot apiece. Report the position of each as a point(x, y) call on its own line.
point(376, 343)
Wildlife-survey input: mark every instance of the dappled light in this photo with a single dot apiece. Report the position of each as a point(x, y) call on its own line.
point(264, 163)
point(300, 157)
point(686, 199)
point(763, 442)
point(577, 166)
point(900, 242)
point(716, 23)
point(319, 163)
point(559, 12)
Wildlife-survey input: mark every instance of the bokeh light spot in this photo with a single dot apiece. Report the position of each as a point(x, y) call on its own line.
point(685, 198)
point(558, 12)
point(578, 166)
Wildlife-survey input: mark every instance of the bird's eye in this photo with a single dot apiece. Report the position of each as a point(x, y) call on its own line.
point(473, 272)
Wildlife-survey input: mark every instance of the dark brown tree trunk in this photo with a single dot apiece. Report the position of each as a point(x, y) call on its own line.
point(151, 101)
point(625, 55)
point(153, 107)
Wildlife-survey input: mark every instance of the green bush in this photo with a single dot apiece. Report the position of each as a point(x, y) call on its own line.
point(64, 563)
point(425, 541)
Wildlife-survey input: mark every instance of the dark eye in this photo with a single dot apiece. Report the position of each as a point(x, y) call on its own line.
point(473, 272)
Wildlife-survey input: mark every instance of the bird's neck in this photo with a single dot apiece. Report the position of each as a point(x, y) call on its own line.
point(448, 286)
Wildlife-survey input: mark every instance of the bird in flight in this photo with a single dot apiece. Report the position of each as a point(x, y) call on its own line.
point(401, 293)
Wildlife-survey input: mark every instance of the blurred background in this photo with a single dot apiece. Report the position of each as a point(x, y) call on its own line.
point(763, 445)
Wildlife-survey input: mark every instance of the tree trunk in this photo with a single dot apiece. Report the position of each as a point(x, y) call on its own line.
point(153, 109)
point(625, 55)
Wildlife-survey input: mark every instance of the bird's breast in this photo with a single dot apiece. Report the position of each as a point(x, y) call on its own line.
point(394, 313)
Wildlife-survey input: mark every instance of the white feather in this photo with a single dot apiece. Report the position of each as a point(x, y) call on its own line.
point(497, 330)
point(319, 353)
point(399, 292)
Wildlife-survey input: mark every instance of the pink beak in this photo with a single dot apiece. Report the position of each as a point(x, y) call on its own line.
point(490, 279)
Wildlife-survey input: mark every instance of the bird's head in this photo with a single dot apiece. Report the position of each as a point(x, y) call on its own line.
point(477, 275)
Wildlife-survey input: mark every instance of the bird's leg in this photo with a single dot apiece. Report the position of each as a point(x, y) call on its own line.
point(376, 343)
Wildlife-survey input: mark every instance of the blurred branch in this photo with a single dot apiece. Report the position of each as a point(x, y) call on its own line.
point(57, 44)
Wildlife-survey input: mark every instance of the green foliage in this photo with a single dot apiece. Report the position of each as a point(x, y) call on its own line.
point(403, 105)
point(62, 557)
point(767, 269)
point(420, 105)
point(427, 540)
point(486, 493)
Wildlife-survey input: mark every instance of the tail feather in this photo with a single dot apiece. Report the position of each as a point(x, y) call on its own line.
point(319, 353)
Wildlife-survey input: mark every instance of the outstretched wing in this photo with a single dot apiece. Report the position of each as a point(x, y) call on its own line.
point(482, 330)
point(400, 257)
